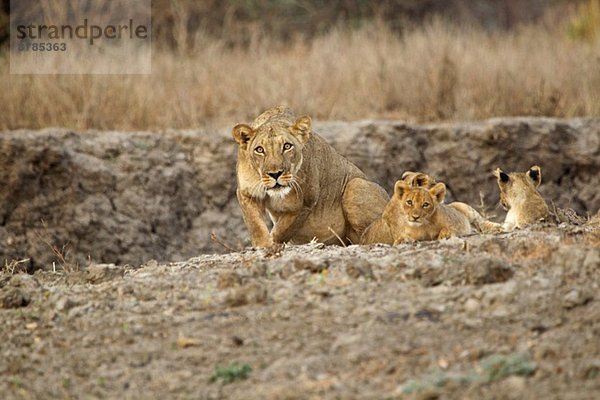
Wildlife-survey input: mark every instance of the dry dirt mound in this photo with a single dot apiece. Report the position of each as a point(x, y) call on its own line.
point(511, 316)
point(126, 198)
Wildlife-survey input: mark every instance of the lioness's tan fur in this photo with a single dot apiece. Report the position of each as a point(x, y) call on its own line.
point(309, 191)
point(519, 196)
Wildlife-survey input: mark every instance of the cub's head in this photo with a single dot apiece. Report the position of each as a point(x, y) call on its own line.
point(418, 203)
point(274, 151)
point(517, 185)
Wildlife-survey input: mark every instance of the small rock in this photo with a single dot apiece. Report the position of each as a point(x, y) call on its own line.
point(64, 304)
point(252, 293)
point(360, 268)
point(237, 341)
point(472, 306)
point(150, 264)
point(184, 342)
point(443, 363)
point(576, 297)
point(31, 326)
point(515, 383)
point(229, 279)
point(98, 273)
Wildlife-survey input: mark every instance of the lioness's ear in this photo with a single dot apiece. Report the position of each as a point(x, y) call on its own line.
point(242, 134)
point(502, 177)
point(439, 192)
point(400, 187)
point(302, 128)
point(535, 173)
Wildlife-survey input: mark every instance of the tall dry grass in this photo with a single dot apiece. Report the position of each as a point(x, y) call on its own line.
point(432, 73)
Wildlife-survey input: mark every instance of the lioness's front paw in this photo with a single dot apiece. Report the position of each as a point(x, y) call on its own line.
point(263, 243)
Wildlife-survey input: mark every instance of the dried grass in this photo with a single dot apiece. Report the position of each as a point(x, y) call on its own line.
point(436, 72)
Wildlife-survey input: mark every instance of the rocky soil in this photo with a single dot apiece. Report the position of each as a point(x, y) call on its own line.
point(126, 198)
point(509, 316)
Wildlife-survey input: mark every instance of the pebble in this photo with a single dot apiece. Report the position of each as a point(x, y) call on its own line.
point(472, 305)
point(576, 297)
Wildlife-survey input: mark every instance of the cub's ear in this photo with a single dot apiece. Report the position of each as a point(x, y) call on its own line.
point(407, 174)
point(409, 177)
point(302, 128)
point(242, 134)
point(535, 173)
point(502, 177)
point(400, 187)
point(439, 192)
point(424, 180)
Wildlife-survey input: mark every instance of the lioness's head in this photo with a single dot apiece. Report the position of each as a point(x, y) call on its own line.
point(418, 203)
point(517, 184)
point(274, 150)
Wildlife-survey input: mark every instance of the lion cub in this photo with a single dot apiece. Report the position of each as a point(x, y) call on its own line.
point(416, 212)
point(519, 196)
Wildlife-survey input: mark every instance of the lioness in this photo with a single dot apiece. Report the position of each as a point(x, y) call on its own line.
point(519, 196)
point(306, 187)
point(416, 212)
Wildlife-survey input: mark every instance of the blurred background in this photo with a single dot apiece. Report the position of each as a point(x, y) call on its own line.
point(215, 63)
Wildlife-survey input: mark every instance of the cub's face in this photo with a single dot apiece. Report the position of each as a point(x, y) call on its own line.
point(417, 203)
point(517, 184)
point(274, 151)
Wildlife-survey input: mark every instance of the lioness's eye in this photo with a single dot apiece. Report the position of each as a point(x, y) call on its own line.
point(425, 205)
point(259, 150)
point(287, 146)
point(409, 203)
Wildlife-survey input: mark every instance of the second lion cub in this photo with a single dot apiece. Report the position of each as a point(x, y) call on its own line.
point(519, 196)
point(418, 213)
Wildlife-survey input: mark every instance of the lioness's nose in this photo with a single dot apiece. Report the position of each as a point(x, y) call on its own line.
point(275, 175)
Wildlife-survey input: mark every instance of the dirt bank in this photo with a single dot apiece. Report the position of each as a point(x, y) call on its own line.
point(126, 198)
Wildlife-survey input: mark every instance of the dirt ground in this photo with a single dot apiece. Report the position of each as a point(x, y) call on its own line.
point(508, 316)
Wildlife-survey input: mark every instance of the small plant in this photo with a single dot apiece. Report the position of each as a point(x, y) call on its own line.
point(61, 254)
point(231, 373)
point(15, 266)
point(491, 369)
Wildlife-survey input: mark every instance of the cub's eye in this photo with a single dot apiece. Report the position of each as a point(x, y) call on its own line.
point(409, 203)
point(259, 150)
point(426, 205)
point(287, 146)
